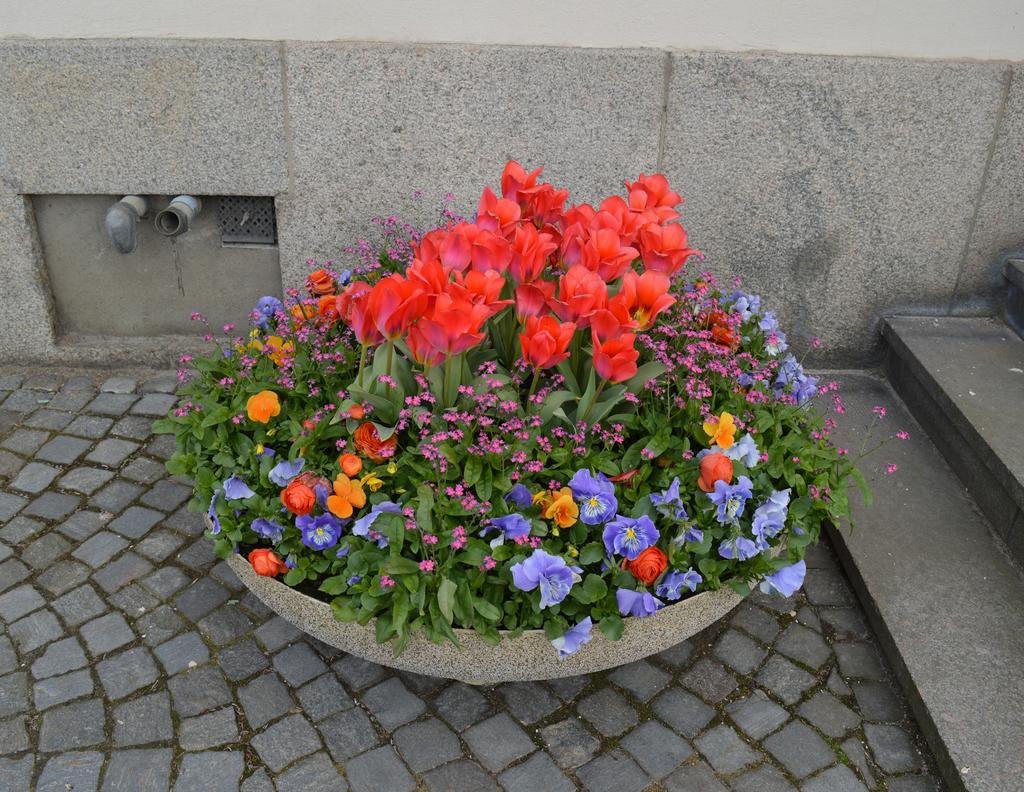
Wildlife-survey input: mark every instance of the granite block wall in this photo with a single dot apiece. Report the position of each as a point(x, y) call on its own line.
point(842, 188)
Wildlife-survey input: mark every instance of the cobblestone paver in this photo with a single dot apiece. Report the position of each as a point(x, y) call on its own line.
point(132, 659)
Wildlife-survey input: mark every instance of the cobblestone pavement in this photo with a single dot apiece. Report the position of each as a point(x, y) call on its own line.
point(131, 659)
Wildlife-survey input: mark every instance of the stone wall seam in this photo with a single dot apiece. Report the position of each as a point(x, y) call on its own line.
point(980, 194)
point(663, 128)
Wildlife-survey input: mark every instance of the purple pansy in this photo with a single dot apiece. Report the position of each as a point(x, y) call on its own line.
point(284, 471)
point(319, 532)
point(744, 450)
point(268, 529)
point(512, 526)
point(731, 498)
point(629, 536)
point(519, 496)
point(793, 380)
point(212, 514)
point(739, 548)
point(236, 489)
point(265, 310)
point(595, 496)
point(549, 572)
point(786, 581)
point(266, 451)
point(637, 603)
point(669, 502)
point(362, 526)
point(770, 517)
point(671, 586)
point(574, 638)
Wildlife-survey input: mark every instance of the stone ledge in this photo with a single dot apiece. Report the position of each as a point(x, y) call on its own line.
point(945, 601)
point(964, 380)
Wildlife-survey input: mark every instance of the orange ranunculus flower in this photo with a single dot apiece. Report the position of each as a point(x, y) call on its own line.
point(725, 337)
point(356, 411)
point(263, 406)
point(266, 562)
point(320, 283)
point(369, 444)
point(615, 359)
point(348, 496)
point(298, 497)
point(350, 464)
point(647, 566)
point(546, 341)
point(562, 509)
point(722, 432)
point(714, 467)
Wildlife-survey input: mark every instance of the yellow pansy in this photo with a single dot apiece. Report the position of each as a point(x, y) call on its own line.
point(371, 482)
point(722, 433)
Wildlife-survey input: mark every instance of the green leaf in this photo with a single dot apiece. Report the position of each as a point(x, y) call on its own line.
point(741, 587)
point(294, 576)
point(645, 374)
point(474, 467)
point(612, 627)
point(862, 485)
point(593, 589)
point(486, 609)
point(400, 566)
point(333, 585)
point(592, 553)
point(552, 402)
point(425, 509)
point(446, 599)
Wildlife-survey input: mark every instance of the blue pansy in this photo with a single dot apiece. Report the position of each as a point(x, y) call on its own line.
point(595, 496)
point(319, 532)
point(637, 603)
point(268, 529)
point(574, 638)
point(672, 585)
point(730, 499)
point(770, 517)
point(520, 496)
point(362, 526)
point(236, 489)
point(284, 471)
point(746, 304)
point(792, 379)
point(265, 310)
point(744, 450)
point(739, 548)
point(212, 513)
point(786, 581)
point(549, 572)
point(629, 536)
point(512, 526)
point(353, 580)
point(669, 502)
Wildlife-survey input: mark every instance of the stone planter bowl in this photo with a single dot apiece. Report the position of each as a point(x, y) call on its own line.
point(528, 657)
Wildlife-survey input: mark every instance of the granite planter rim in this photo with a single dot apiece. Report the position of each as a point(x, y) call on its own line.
point(529, 656)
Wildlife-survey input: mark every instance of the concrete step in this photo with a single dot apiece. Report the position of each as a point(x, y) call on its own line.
point(963, 379)
point(945, 601)
point(1013, 310)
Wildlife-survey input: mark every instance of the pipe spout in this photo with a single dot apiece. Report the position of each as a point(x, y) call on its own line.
point(177, 218)
point(122, 221)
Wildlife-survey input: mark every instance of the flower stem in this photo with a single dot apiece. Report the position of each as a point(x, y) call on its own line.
point(533, 388)
point(362, 362)
point(391, 355)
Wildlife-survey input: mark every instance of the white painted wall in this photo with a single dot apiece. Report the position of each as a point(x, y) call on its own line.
point(974, 29)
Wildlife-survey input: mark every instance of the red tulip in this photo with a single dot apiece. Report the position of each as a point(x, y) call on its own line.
point(453, 326)
point(514, 178)
point(605, 254)
point(615, 359)
point(580, 293)
point(423, 352)
point(482, 287)
point(530, 251)
point(644, 296)
point(353, 308)
point(532, 298)
point(546, 341)
point(496, 214)
point(490, 251)
point(614, 213)
point(394, 303)
point(664, 247)
point(652, 193)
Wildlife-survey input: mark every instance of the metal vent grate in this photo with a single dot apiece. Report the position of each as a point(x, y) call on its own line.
point(247, 220)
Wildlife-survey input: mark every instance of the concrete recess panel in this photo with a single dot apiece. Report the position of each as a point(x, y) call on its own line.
point(145, 117)
point(841, 188)
point(152, 291)
point(373, 123)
